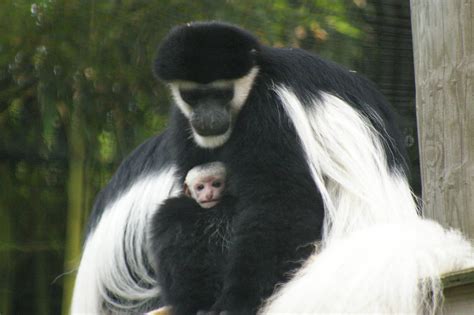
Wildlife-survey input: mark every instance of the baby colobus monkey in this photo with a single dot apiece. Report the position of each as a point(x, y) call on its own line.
point(206, 183)
point(190, 235)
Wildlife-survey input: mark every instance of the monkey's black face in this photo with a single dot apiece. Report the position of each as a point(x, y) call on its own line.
point(211, 115)
point(212, 108)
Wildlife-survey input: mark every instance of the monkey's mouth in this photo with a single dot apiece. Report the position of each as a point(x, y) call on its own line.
point(211, 125)
point(213, 200)
point(210, 203)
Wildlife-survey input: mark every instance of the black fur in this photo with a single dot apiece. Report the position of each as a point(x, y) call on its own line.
point(229, 49)
point(191, 245)
point(278, 215)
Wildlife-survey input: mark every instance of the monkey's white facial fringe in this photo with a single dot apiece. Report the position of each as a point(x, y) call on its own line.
point(211, 142)
point(185, 108)
point(241, 89)
point(377, 255)
point(114, 256)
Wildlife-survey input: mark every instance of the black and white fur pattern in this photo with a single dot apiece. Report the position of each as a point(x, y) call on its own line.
point(318, 170)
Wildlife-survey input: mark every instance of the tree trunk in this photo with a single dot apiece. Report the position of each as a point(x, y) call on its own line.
point(444, 67)
point(6, 242)
point(41, 281)
point(76, 184)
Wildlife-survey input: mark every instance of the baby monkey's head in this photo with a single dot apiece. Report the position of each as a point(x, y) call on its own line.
point(206, 183)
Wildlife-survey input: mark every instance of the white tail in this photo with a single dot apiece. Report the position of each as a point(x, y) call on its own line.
point(115, 253)
point(377, 255)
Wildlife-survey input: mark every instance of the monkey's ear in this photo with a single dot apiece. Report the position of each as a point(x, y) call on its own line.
point(187, 191)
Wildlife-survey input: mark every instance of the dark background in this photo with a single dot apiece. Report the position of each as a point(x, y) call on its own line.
point(77, 95)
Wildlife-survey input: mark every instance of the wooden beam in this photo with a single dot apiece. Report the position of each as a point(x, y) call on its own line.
point(443, 43)
point(459, 292)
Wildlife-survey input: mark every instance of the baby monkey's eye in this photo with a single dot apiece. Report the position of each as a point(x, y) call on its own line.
point(200, 187)
point(216, 184)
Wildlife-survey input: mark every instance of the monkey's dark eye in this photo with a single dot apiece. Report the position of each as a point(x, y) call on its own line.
point(216, 184)
point(190, 96)
point(200, 187)
point(193, 96)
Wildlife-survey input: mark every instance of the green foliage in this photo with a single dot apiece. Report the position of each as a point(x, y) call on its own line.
point(77, 94)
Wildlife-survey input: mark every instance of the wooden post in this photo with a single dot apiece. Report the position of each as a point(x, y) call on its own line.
point(443, 44)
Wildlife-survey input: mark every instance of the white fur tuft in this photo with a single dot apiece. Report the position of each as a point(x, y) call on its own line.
point(376, 270)
point(377, 255)
point(115, 249)
point(348, 164)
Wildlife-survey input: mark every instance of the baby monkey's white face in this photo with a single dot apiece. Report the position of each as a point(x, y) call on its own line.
point(208, 190)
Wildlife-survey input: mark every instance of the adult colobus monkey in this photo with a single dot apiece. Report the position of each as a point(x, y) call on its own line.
point(314, 155)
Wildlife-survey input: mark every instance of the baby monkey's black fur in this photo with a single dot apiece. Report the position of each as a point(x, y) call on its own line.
point(191, 246)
